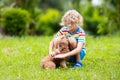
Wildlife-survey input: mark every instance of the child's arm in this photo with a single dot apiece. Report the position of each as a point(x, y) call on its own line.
point(51, 47)
point(76, 50)
point(71, 53)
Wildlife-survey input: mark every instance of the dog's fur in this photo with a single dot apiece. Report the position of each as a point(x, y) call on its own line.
point(61, 47)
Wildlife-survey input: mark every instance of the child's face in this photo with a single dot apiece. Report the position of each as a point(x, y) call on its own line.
point(72, 28)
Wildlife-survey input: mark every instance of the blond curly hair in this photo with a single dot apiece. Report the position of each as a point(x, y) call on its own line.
point(72, 17)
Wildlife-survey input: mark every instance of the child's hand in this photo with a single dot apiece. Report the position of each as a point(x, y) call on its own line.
point(52, 54)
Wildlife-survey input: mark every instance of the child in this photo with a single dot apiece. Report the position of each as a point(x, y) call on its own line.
point(71, 22)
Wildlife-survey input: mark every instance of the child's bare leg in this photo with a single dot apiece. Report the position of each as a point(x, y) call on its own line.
point(73, 45)
point(72, 42)
point(78, 57)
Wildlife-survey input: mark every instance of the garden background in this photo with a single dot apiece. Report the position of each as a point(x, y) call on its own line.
point(27, 26)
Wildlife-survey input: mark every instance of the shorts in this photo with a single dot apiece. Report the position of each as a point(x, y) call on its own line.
point(82, 55)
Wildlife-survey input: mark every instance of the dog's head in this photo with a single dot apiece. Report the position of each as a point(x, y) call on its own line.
point(61, 44)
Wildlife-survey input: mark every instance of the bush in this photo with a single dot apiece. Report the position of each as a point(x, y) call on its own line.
point(15, 21)
point(48, 23)
point(97, 24)
point(34, 17)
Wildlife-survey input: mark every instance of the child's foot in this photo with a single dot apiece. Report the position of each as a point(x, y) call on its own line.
point(78, 64)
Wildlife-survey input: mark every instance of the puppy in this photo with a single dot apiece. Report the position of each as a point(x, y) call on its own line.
point(61, 47)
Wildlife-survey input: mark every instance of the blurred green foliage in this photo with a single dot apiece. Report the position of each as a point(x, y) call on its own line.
point(48, 22)
point(15, 21)
point(94, 21)
point(45, 17)
point(102, 19)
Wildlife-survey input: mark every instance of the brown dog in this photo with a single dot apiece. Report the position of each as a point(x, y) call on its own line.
point(61, 47)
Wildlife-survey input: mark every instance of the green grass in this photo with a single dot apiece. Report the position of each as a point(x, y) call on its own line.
point(20, 58)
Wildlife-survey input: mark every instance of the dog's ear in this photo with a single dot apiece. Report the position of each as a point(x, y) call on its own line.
point(56, 42)
point(57, 51)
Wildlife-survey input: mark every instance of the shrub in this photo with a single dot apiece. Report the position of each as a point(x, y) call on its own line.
point(15, 21)
point(48, 23)
point(102, 19)
point(97, 24)
point(35, 14)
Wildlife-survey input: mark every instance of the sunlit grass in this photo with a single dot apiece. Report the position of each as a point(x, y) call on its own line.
point(20, 58)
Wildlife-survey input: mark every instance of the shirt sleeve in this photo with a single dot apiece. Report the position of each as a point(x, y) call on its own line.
point(80, 36)
point(62, 31)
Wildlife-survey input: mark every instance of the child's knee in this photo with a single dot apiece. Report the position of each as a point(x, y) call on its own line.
point(72, 42)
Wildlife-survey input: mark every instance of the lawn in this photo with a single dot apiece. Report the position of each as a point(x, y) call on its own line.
point(20, 58)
